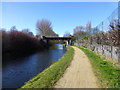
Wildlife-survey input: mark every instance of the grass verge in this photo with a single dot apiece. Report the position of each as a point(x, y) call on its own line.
point(51, 75)
point(108, 75)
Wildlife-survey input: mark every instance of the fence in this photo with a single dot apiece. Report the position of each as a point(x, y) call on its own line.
point(105, 37)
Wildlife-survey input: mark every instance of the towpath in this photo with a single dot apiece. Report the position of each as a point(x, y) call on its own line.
point(79, 74)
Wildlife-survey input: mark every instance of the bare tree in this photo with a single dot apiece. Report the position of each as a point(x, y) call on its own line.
point(95, 30)
point(79, 32)
point(78, 28)
point(13, 28)
point(26, 30)
point(88, 27)
point(115, 31)
point(31, 33)
point(44, 28)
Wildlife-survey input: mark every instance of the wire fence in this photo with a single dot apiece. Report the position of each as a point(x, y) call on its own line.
point(105, 37)
point(104, 26)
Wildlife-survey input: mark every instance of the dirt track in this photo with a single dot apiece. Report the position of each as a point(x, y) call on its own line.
point(79, 74)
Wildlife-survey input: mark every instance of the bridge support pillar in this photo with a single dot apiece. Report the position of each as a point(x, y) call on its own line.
point(69, 42)
point(47, 41)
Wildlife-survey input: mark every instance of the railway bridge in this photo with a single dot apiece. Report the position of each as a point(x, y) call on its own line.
point(68, 39)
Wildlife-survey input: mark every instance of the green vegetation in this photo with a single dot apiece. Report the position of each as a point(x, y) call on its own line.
point(107, 73)
point(51, 75)
point(85, 37)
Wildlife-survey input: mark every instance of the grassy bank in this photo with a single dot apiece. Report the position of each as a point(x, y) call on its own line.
point(51, 75)
point(107, 73)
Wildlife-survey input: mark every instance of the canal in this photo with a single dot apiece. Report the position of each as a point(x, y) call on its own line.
point(16, 72)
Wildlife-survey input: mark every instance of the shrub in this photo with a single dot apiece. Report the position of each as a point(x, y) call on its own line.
point(85, 37)
point(21, 42)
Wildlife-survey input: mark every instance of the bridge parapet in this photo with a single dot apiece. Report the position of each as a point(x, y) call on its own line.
point(57, 38)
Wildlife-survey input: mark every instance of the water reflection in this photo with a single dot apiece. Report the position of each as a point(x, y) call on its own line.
point(20, 70)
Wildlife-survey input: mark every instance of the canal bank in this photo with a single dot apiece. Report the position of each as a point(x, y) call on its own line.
point(17, 71)
point(51, 75)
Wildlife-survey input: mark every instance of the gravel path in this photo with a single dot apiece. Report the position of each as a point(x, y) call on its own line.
point(79, 74)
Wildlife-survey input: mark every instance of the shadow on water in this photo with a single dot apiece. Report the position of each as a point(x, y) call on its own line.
point(19, 70)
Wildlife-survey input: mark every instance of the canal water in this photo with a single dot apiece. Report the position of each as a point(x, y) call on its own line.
point(16, 72)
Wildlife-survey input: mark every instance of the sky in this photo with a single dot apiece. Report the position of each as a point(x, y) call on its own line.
point(65, 16)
